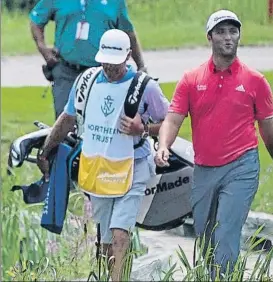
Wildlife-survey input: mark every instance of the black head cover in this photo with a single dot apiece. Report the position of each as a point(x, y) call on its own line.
point(33, 193)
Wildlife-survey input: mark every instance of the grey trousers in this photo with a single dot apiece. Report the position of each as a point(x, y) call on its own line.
point(223, 196)
point(64, 78)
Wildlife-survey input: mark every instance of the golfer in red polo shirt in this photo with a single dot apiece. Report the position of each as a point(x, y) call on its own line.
point(224, 98)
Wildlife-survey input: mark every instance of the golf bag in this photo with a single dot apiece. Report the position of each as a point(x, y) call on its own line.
point(166, 202)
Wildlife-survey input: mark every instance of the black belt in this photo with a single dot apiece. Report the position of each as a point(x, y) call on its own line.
point(76, 67)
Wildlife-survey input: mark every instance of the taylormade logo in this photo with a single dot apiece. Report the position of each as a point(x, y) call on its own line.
point(81, 90)
point(216, 19)
point(103, 46)
point(82, 87)
point(133, 97)
point(84, 84)
point(165, 186)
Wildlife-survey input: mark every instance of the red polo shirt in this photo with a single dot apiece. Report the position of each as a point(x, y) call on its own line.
point(223, 106)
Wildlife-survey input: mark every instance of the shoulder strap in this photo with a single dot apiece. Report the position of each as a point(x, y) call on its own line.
point(83, 87)
point(135, 93)
point(134, 96)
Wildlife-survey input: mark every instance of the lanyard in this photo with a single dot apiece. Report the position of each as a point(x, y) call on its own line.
point(83, 7)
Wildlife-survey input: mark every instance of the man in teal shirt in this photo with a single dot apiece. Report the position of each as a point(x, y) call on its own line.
point(79, 27)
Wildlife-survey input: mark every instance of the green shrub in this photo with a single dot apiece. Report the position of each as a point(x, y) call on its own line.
point(22, 5)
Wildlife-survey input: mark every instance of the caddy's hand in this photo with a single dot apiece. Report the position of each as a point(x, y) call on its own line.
point(43, 165)
point(162, 157)
point(131, 126)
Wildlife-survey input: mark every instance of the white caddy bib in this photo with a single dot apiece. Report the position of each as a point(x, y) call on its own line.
point(107, 157)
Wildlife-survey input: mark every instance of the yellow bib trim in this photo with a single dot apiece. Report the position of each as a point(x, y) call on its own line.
point(103, 177)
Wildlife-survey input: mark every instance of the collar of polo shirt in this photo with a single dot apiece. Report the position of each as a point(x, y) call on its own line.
point(233, 68)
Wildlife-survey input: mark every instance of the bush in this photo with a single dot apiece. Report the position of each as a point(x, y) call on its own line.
point(22, 5)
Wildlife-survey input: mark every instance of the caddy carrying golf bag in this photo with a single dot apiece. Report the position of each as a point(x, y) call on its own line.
point(166, 202)
point(167, 196)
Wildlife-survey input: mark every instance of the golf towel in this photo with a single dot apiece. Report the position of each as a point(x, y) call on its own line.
point(58, 192)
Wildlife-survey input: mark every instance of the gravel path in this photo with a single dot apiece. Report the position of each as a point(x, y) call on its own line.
point(168, 65)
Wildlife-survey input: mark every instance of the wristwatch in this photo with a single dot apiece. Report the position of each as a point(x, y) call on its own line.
point(40, 154)
point(145, 133)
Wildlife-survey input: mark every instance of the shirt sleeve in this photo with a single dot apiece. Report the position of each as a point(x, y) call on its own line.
point(42, 12)
point(69, 108)
point(157, 103)
point(124, 22)
point(180, 100)
point(264, 100)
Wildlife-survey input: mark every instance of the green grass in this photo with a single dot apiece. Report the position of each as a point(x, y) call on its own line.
point(159, 24)
point(180, 23)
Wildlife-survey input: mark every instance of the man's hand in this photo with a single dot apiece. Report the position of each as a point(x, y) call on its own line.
point(167, 134)
point(50, 55)
point(64, 124)
point(162, 157)
point(130, 126)
point(43, 164)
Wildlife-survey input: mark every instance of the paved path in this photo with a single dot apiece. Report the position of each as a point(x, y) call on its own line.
point(168, 65)
point(163, 245)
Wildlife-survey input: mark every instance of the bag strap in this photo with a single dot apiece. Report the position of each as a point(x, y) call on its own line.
point(133, 98)
point(83, 87)
point(135, 93)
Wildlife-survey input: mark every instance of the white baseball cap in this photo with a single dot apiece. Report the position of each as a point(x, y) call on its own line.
point(220, 16)
point(114, 47)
